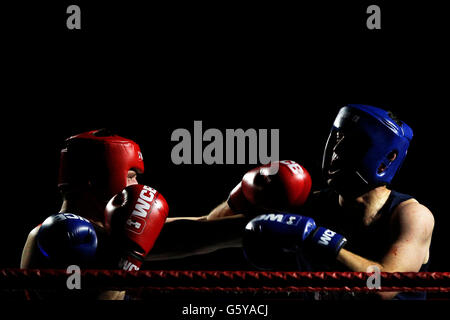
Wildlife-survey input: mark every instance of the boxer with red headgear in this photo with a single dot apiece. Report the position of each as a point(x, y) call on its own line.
point(108, 220)
point(99, 161)
point(98, 167)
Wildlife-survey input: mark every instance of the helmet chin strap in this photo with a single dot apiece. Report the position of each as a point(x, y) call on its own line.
point(353, 185)
point(360, 175)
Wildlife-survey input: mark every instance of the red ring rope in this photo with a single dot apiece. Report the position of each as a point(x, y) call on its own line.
point(243, 281)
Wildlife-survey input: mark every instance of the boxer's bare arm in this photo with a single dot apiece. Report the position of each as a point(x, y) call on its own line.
point(28, 259)
point(182, 237)
point(412, 225)
point(222, 210)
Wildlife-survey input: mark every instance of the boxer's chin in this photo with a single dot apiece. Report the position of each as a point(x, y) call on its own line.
point(346, 183)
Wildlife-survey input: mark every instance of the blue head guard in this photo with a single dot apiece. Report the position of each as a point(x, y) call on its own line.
point(381, 145)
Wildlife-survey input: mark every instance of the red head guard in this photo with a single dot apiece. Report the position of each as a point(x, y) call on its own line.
point(100, 159)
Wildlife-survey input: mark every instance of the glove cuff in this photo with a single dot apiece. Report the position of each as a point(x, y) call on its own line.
point(238, 203)
point(331, 241)
point(131, 262)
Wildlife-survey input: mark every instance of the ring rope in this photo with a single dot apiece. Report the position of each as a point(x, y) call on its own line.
point(243, 281)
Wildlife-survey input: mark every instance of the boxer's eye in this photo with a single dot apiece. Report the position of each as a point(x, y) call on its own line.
point(131, 177)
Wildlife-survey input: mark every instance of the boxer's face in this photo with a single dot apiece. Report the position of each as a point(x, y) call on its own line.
point(347, 150)
point(131, 178)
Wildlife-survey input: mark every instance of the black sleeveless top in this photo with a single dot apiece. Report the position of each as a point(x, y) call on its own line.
point(371, 242)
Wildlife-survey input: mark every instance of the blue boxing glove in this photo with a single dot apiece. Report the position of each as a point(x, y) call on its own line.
point(331, 241)
point(65, 239)
point(267, 237)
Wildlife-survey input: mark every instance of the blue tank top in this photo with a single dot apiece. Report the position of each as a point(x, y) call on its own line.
point(369, 242)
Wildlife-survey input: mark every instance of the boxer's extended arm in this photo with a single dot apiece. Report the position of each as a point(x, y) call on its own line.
point(222, 210)
point(260, 190)
point(412, 226)
point(182, 237)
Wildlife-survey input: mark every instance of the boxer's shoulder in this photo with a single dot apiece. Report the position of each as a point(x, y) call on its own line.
point(411, 214)
point(34, 232)
point(32, 235)
point(29, 254)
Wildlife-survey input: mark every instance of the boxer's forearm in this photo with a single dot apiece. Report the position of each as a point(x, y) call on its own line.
point(222, 210)
point(183, 237)
point(111, 295)
point(355, 262)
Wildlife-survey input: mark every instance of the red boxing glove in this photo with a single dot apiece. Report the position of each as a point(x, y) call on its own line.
point(134, 218)
point(259, 190)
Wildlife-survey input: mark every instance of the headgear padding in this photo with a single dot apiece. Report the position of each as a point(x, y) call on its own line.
point(383, 141)
point(100, 159)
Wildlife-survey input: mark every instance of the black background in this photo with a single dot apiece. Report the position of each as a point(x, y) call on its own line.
point(145, 71)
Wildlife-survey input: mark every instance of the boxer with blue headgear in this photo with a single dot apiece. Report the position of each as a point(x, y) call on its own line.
point(357, 223)
point(365, 148)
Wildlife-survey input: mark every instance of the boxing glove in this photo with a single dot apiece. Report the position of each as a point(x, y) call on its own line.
point(269, 235)
point(65, 239)
point(263, 189)
point(134, 218)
